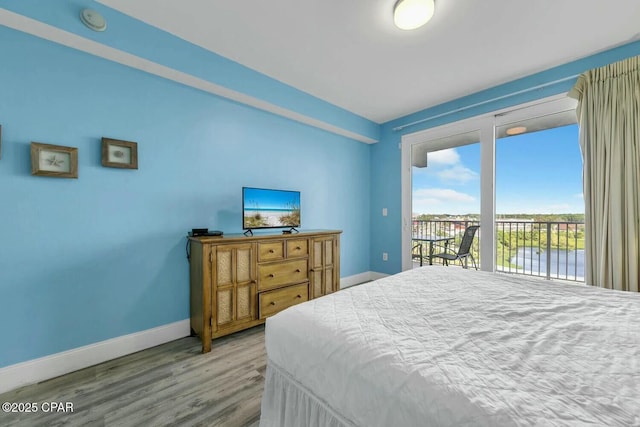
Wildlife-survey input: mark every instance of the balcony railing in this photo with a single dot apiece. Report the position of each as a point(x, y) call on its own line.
point(554, 250)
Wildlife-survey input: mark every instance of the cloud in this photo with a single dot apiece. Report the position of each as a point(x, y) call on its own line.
point(443, 200)
point(443, 194)
point(445, 169)
point(443, 157)
point(446, 165)
point(457, 174)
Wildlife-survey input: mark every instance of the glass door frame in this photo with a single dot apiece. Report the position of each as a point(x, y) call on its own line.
point(486, 125)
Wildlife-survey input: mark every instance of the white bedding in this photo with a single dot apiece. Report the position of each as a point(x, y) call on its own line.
point(447, 346)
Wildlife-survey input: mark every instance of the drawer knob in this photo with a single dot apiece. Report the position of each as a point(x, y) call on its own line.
point(271, 276)
point(273, 303)
point(297, 270)
point(299, 296)
point(298, 248)
point(270, 251)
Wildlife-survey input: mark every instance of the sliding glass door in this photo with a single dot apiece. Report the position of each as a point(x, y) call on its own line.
point(505, 153)
point(445, 190)
point(539, 203)
point(445, 195)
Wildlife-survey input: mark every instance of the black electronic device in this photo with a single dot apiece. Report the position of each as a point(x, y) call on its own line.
point(195, 232)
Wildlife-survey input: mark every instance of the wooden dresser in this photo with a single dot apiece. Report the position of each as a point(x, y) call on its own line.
point(238, 281)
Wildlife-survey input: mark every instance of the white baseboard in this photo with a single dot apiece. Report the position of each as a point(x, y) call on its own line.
point(44, 368)
point(356, 279)
point(375, 275)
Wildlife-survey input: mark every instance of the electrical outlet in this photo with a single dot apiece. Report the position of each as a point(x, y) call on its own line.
point(384, 211)
point(385, 256)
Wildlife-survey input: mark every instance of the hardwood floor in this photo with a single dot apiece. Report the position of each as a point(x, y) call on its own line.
point(172, 384)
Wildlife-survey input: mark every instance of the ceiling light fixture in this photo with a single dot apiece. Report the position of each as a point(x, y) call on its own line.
point(517, 130)
point(412, 14)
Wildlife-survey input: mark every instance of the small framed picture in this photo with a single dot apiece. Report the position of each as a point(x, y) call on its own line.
point(54, 160)
point(119, 154)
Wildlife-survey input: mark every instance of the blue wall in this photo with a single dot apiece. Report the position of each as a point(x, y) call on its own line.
point(90, 259)
point(385, 155)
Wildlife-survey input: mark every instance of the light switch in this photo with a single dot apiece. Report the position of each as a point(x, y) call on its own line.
point(384, 211)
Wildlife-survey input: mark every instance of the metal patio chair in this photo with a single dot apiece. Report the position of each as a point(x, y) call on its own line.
point(464, 250)
point(417, 254)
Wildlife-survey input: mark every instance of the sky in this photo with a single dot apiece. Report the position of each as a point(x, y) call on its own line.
point(266, 199)
point(537, 173)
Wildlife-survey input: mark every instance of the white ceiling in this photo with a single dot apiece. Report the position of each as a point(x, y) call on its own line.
point(348, 52)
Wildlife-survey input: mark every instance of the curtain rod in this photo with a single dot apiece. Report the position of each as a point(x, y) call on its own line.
point(477, 104)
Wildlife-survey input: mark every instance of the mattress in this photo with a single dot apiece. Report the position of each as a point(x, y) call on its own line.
point(447, 346)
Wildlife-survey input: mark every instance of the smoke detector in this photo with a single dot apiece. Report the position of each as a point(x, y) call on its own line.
point(93, 20)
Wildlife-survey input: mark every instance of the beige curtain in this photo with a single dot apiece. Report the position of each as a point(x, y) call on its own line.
point(609, 120)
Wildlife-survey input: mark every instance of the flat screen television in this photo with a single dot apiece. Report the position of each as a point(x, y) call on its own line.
point(268, 208)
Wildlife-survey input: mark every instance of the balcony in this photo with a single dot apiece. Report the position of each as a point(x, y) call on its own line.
point(553, 250)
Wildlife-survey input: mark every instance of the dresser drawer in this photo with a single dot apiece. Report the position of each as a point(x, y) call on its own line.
point(282, 273)
point(270, 251)
point(274, 301)
point(297, 248)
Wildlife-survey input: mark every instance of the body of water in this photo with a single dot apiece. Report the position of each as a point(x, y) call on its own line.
point(563, 263)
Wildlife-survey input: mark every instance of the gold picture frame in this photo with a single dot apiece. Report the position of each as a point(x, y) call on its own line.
point(119, 154)
point(54, 160)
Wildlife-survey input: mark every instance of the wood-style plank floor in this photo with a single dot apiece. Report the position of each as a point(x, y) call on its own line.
point(171, 384)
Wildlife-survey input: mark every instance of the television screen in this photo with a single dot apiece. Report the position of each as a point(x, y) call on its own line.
point(264, 208)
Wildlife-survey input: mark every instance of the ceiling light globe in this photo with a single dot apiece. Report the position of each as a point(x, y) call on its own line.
point(412, 14)
point(517, 130)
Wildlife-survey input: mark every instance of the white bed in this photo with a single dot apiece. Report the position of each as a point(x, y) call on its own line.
point(440, 346)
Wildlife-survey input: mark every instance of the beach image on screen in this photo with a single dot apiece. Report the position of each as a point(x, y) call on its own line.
point(271, 208)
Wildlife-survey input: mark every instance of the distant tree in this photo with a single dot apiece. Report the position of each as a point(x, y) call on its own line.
point(574, 217)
